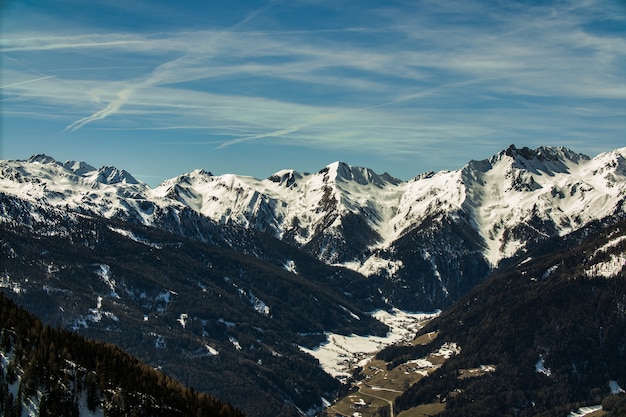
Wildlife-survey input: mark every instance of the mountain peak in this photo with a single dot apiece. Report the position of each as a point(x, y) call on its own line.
point(112, 175)
point(104, 175)
point(336, 167)
point(78, 167)
point(342, 172)
point(202, 172)
point(286, 177)
point(42, 159)
point(197, 174)
point(544, 153)
point(188, 179)
point(544, 159)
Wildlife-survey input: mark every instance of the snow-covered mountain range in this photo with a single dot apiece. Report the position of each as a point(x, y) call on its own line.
point(218, 279)
point(434, 236)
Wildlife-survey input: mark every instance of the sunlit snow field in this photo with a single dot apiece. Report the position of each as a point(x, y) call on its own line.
point(340, 354)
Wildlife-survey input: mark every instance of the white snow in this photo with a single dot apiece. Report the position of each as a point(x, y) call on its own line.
point(421, 363)
point(614, 265)
point(611, 244)
point(132, 236)
point(235, 342)
point(375, 265)
point(403, 324)
point(540, 367)
point(32, 404)
point(159, 341)
point(290, 266)
point(182, 319)
point(226, 323)
point(166, 297)
point(259, 305)
point(525, 261)
point(549, 271)
point(104, 272)
point(583, 411)
point(608, 269)
point(339, 354)
point(354, 316)
point(106, 191)
point(448, 350)
point(5, 282)
point(495, 195)
point(615, 388)
point(95, 316)
point(571, 192)
point(427, 257)
point(212, 351)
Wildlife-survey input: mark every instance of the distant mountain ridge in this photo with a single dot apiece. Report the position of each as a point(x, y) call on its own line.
point(353, 217)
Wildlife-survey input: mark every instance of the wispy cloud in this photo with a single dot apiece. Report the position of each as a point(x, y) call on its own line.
point(273, 134)
point(27, 81)
point(111, 108)
point(389, 80)
point(164, 73)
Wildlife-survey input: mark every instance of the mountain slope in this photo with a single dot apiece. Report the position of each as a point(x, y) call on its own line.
point(218, 320)
point(311, 210)
point(55, 372)
point(217, 279)
point(551, 327)
point(465, 222)
point(377, 225)
point(497, 194)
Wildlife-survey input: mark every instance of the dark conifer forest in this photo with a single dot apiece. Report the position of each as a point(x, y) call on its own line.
point(555, 333)
point(58, 370)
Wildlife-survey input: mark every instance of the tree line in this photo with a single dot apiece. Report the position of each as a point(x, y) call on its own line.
point(63, 366)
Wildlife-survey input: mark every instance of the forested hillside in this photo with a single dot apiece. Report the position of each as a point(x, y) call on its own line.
point(550, 329)
point(218, 320)
point(235, 285)
point(56, 372)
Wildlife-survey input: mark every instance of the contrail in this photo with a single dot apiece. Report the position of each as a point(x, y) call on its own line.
point(111, 108)
point(158, 75)
point(27, 81)
point(276, 133)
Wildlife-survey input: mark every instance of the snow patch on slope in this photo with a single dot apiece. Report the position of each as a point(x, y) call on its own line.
point(608, 269)
point(259, 305)
point(583, 411)
point(290, 266)
point(340, 353)
point(6, 282)
point(129, 234)
point(615, 388)
point(541, 368)
point(104, 272)
point(375, 265)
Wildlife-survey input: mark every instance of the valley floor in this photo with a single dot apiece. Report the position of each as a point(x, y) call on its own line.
point(341, 354)
point(377, 386)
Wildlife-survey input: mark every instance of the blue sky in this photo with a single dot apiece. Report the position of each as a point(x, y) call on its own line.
point(251, 87)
